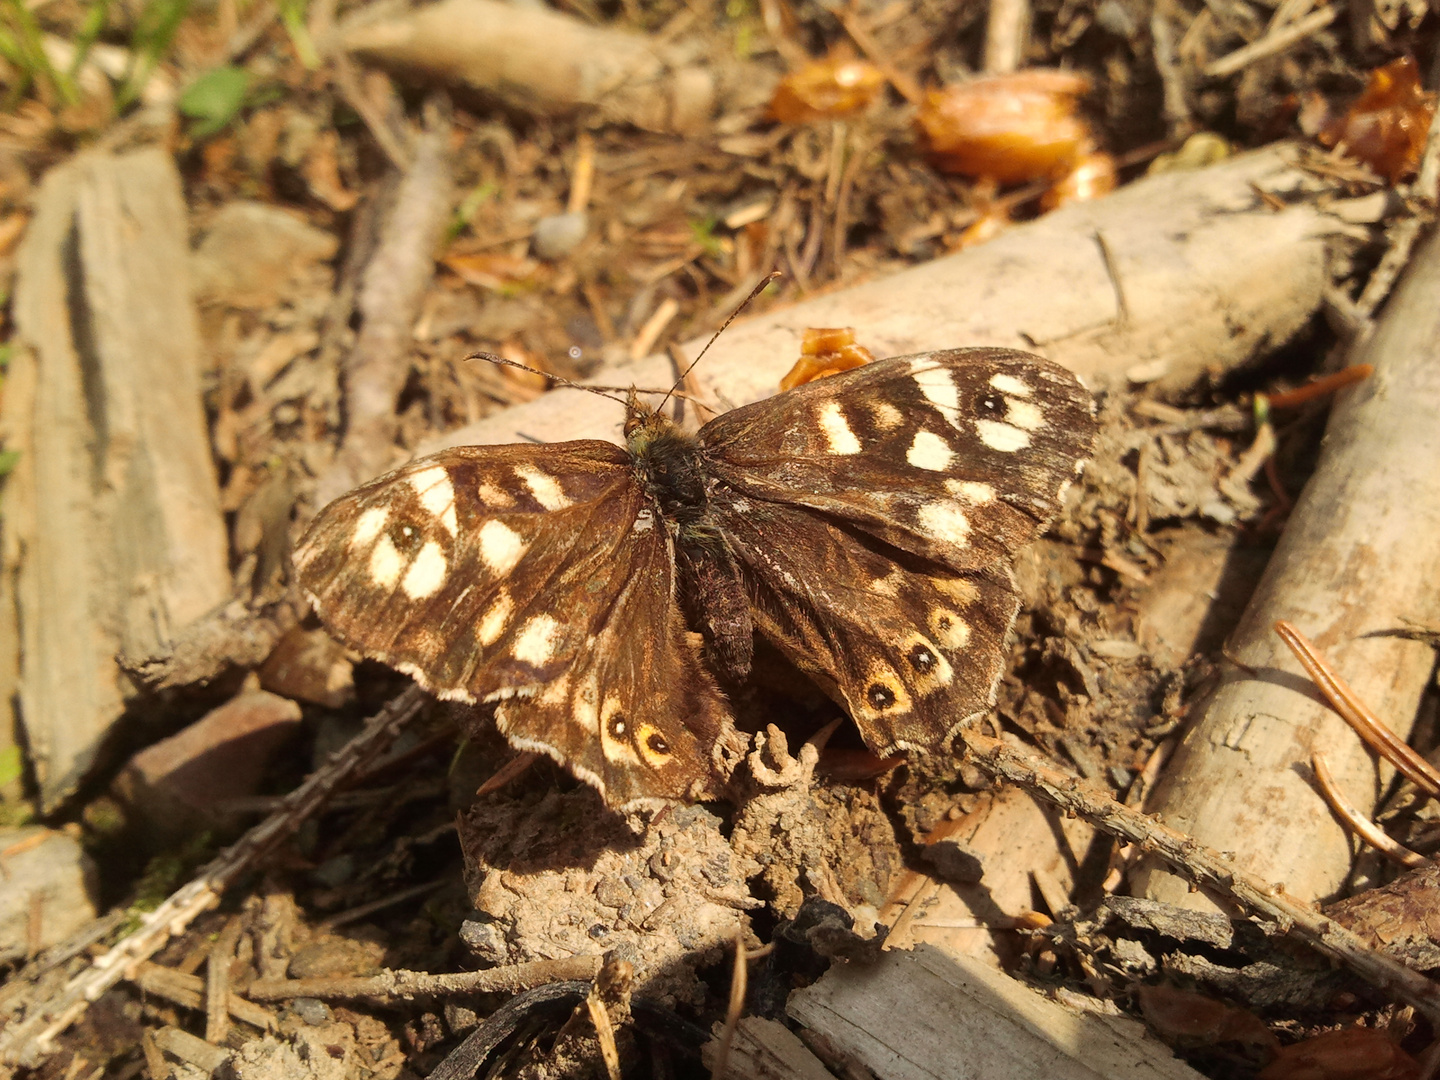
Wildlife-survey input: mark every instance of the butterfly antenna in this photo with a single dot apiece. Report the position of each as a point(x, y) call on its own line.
point(760, 287)
point(602, 391)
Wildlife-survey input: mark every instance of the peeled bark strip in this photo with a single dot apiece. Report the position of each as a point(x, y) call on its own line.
point(1195, 274)
point(551, 64)
point(113, 527)
point(1359, 557)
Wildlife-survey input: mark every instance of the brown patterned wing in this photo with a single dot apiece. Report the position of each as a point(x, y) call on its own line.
point(536, 579)
point(876, 515)
point(910, 648)
point(961, 456)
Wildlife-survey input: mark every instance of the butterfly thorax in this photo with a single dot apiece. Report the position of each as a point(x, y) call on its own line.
point(671, 467)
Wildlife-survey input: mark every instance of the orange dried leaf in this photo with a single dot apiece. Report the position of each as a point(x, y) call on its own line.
point(1011, 128)
point(824, 89)
point(495, 270)
point(1386, 126)
point(825, 351)
point(1187, 1018)
point(1349, 1054)
point(1092, 176)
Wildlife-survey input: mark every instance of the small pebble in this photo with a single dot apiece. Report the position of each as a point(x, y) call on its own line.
point(312, 1010)
point(558, 235)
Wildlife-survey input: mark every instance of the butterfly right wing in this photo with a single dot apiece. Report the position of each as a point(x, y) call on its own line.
point(516, 576)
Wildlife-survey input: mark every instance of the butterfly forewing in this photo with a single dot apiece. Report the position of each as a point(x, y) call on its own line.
point(960, 455)
point(509, 575)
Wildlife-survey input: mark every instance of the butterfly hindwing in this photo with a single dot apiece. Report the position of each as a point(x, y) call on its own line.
point(508, 576)
point(910, 648)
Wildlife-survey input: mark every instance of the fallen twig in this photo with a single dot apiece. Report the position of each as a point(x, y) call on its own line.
point(1204, 866)
point(511, 979)
point(1275, 42)
point(30, 1041)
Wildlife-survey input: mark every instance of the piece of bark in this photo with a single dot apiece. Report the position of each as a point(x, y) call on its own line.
point(924, 1015)
point(552, 64)
point(1402, 918)
point(1209, 277)
point(766, 1050)
point(1363, 538)
point(113, 527)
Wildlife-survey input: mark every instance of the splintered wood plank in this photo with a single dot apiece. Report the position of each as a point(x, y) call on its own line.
point(114, 534)
point(765, 1050)
point(925, 1015)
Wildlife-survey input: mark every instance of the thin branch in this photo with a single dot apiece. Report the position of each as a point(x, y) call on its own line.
point(1354, 712)
point(1359, 824)
point(32, 1040)
point(1272, 43)
point(512, 979)
point(1205, 867)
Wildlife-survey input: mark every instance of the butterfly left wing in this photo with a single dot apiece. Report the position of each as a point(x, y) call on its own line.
point(517, 577)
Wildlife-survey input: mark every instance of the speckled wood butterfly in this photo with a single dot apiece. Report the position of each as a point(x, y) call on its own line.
point(600, 597)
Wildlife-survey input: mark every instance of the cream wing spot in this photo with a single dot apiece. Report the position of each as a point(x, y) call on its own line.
point(616, 736)
point(493, 624)
point(538, 638)
point(950, 630)
point(1024, 415)
point(839, 439)
point(972, 491)
point(886, 416)
point(427, 572)
point(946, 522)
point(1009, 384)
point(436, 494)
point(884, 694)
point(1001, 436)
point(962, 591)
point(546, 488)
point(386, 564)
point(368, 526)
point(500, 546)
point(938, 386)
point(496, 498)
point(929, 451)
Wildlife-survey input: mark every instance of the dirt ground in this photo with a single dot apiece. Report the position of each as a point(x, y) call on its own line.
point(569, 237)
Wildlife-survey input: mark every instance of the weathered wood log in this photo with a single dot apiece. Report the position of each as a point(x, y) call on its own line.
point(113, 529)
point(550, 64)
point(1167, 279)
point(1356, 561)
point(926, 1014)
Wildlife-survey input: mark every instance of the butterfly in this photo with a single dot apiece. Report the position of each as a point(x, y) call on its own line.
point(602, 599)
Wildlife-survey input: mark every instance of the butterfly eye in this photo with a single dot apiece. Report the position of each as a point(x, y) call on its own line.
point(922, 659)
point(992, 405)
point(880, 696)
point(657, 744)
point(618, 727)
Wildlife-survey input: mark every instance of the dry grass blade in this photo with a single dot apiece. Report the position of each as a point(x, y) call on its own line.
point(604, 1032)
point(738, 985)
point(1355, 713)
point(1361, 825)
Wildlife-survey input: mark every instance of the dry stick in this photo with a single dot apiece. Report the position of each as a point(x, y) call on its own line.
point(604, 1032)
point(909, 89)
point(1357, 714)
point(392, 287)
point(188, 991)
point(1361, 825)
point(1204, 866)
point(1272, 43)
point(30, 1041)
point(1005, 33)
point(512, 979)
